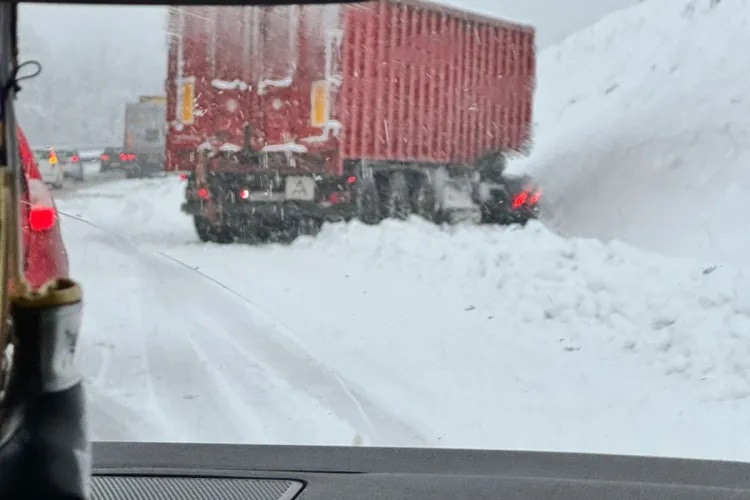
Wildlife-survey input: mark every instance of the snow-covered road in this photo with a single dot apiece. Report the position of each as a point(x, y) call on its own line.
point(403, 334)
point(182, 358)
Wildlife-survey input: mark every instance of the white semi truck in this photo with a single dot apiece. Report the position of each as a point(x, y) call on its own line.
point(145, 136)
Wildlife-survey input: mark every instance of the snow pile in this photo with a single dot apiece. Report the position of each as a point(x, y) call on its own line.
point(411, 334)
point(644, 128)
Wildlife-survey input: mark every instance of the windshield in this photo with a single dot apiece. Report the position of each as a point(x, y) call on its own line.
point(479, 224)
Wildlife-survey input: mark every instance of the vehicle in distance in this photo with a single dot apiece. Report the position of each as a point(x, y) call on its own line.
point(71, 163)
point(145, 136)
point(49, 166)
point(114, 158)
point(287, 116)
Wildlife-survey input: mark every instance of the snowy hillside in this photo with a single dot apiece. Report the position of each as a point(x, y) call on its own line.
point(644, 128)
point(553, 20)
point(403, 334)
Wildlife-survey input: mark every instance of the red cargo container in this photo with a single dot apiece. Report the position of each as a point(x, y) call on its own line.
point(347, 92)
point(393, 80)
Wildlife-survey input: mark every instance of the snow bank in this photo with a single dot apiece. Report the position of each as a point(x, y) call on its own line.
point(643, 128)
point(515, 339)
point(474, 336)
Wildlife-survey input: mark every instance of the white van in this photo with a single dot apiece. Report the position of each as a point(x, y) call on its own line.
point(50, 168)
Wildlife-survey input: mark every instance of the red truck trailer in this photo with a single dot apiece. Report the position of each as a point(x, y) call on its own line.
point(293, 115)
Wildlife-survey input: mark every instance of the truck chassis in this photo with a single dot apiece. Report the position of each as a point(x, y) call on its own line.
point(230, 200)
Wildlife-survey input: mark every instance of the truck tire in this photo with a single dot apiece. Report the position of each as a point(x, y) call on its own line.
point(254, 234)
point(136, 172)
point(398, 203)
point(423, 199)
point(208, 232)
point(368, 202)
point(308, 226)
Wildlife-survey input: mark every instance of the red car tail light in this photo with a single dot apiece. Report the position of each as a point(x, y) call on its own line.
point(74, 158)
point(123, 156)
point(203, 193)
point(41, 218)
point(42, 213)
point(104, 157)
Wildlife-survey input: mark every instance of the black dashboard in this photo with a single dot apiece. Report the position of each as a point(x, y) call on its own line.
point(146, 471)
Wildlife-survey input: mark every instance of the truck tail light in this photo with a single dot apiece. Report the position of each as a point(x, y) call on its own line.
point(534, 198)
point(520, 199)
point(338, 197)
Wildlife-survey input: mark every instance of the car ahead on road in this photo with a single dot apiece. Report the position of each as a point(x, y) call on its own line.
point(49, 167)
point(45, 257)
point(114, 159)
point(72, 164)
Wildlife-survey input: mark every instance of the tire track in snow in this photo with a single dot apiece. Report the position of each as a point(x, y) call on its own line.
point(114, 421)
point(182, 383)
point(261, 341)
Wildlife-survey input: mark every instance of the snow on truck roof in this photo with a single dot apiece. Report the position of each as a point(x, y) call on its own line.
point(461, 11)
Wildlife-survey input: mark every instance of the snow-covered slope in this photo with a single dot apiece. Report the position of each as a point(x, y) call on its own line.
point(644, 128)
point(553, 20)
point(404, 334)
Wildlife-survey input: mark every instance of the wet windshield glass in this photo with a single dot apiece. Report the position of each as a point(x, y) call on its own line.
point(485, 224)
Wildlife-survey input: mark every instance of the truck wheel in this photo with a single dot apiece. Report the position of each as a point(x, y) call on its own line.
point(423, 199)
point(368, 202)
point(398, 204)
point(307, 226)
point(254, 233)
point(208, 232)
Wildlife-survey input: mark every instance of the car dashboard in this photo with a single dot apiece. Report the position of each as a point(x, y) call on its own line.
point(146, 471)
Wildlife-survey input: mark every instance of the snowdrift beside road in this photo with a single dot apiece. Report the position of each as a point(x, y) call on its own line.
point(644, 128)
point(466, 336)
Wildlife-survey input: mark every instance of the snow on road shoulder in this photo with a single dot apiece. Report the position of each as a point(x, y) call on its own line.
point(643, 130)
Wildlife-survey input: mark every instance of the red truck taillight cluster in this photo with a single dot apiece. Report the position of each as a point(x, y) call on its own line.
point(526, 197)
